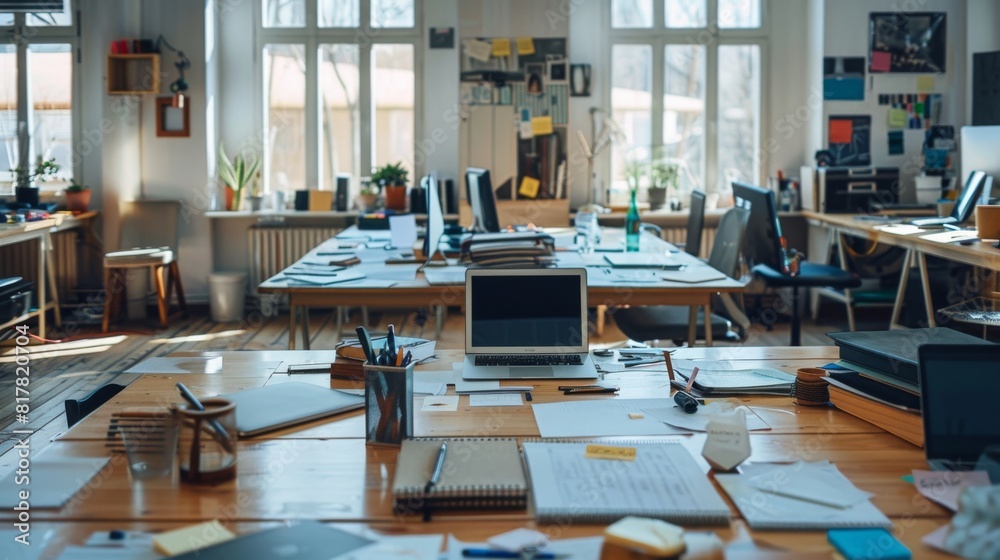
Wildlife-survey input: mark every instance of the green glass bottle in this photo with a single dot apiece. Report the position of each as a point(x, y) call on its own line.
point(632, 225)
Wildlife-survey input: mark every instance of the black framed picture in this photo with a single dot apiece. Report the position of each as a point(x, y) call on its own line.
point(907, 42)
point(579, 80)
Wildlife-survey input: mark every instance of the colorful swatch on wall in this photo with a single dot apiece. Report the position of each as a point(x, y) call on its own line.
point(849, 139)
point(912, 110)
point(844, 78)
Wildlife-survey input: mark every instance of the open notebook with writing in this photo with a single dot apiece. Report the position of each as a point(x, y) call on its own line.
point(477, 473)
point(663, 482)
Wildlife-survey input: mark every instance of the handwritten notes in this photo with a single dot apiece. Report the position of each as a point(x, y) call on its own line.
point(610, 452)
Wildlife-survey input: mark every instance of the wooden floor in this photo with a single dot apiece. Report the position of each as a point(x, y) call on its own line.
point(87, 359)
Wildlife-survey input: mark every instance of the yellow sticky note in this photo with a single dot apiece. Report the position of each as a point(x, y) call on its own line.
point(501, 47)
point(191, 538)
point(541, 126)
point(529, 187)
point(897, 118)
point(525, 45)
point(610, 452)
point(925, 84)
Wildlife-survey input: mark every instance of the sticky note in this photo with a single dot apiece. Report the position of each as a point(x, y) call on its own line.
point(881, 61)
point(191, 538)
point(479, 50)
point(636, 415)
point(841, 131)
point(540, 126)
point(524, 130)
point(525, 45)
point(925, 84)
point(501, 47)
point(610, 452)
point(529, 187)
point(897, 118)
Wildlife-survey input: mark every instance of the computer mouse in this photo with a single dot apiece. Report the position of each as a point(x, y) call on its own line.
point(967, 241)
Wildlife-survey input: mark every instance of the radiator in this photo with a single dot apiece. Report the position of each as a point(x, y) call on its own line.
point(21, 259)
point(677, 236)
point(272, 249)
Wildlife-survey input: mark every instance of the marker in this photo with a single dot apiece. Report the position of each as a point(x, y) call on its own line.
point(690, 383)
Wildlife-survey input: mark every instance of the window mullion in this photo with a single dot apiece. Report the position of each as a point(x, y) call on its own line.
point(365, 109)
point(656, 107)
point(312, 113)
point(24, 109)
point(712, 102)
point(659, 16)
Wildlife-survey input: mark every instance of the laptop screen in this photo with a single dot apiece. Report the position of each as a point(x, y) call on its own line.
point(526, 311)
point(959, 386)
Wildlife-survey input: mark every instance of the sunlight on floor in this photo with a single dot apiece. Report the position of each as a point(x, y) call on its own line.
point(58, 349)
point(198, 337)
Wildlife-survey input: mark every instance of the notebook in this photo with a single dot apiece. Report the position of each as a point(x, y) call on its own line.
point(642, 260)
point(527, 324)
point(477, 473)
point(663, 482)
point(309, 540)
point(273, 407)
point(722, 382)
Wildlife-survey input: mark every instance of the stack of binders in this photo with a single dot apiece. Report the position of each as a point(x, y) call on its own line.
point(511, 250)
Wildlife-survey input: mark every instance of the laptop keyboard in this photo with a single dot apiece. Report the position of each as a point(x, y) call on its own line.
point(529, 360)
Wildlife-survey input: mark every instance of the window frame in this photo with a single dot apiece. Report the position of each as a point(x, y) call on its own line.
point(711, 36)
point(45, 35)
point(311, 36)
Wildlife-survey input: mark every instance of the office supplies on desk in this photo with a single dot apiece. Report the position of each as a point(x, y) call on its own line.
point(723, 382)
point(766, 510)
point(438, 465)
point(354, 348)
point(273, 407)
point(53, 481)
point(654, 537)
point(526, 324)
point(587, 389)
point(663, 482)
point(601, 417)
point(494, 553)
point(307, 540)
point(698, 420)
point(894, 410)
point(219, 432)
point(693, 275)
point(861, 544)
point(477, 473)
point(586, 548)
point(496, 399)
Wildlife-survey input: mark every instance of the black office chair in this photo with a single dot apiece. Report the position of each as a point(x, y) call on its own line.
point(668, 322)
point(77, 409)
point(696, 223)
point(764, 253)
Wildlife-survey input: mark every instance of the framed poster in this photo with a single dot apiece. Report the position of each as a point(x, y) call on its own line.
point(907, 42)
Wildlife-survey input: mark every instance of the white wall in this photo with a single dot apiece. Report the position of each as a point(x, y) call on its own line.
point(437, 147)
point(846, 34)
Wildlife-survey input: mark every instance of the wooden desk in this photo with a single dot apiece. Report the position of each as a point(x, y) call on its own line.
point(420, 293)
point(325, 471)
point(36, 231)
point(979, 254)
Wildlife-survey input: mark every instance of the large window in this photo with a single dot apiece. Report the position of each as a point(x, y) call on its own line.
point(36, 94)
point(686, 89)
point(339, 83)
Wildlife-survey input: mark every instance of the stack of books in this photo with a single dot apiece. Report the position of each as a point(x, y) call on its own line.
point(876, 378)
point(511, 250)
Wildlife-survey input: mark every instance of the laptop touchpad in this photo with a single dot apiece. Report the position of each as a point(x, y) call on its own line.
point(532, 371)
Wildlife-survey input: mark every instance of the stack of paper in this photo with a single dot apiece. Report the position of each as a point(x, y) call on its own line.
point(720, 379)
point(803, 495)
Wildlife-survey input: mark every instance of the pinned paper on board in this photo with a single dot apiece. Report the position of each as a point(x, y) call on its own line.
point(897, 118)
point(524, 130)
point(881, 61)
point(529, 187)
point(841, 131)
point(501, 47)
point(925, 84)
point(525, 45)
point(541, 126)
point(479, 50)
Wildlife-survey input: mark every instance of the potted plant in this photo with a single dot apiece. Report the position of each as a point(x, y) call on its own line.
point(392, 177)
point(664, 177)
point(367, 200)
point(256, 196)
point(25, 191)
point(236, 174)
point(77, 198)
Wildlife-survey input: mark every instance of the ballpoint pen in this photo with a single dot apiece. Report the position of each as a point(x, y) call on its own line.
point(438, 465)
point(390, 339)
point(495, 553)
point(221, 435)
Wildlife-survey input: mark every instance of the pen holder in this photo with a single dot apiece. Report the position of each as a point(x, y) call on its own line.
point(388, 404)
point(207, 446)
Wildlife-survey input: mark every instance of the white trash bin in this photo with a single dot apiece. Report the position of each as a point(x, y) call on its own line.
point(226, 295)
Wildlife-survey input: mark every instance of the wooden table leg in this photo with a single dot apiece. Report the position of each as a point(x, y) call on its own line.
point(600, 319)
point(842, 255)
point(708, 321)
point(904, 276)
point(926, 281)
point(50, 276)
point(305, 327)
point(292, 310)
point(692, 325)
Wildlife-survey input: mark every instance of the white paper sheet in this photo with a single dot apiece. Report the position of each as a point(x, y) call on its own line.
point(951, 236)
point(175, 366)
point(403, 231)
point(945, 487)
point(411, 547)
point(53, 481)
point(447, 403)
point(601, 417)
point(496, 399)
point(812, 482)
point(698, 422)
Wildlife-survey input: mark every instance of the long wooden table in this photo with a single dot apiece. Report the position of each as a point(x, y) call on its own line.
point(980, 253)
point(420, 293)
point(323, 470)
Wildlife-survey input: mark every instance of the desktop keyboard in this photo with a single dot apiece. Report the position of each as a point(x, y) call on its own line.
point(529, 360)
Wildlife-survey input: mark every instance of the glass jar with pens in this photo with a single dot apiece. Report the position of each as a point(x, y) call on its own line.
point(388, 390)
point(207, 442)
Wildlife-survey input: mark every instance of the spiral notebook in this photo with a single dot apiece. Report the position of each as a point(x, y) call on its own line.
point(663, 481)
point(477, 473)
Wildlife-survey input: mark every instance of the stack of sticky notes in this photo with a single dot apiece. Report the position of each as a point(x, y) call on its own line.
point(650, 536)
point(189, 539)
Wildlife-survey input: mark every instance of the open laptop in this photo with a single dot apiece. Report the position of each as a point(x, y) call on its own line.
point(960, 402)
point(526, 324)
point(965, 205)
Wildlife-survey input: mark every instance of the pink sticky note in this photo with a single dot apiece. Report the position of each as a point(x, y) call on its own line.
point(880, 61)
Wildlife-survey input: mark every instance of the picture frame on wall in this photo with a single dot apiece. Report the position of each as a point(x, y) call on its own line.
point(907, 42)
point(534, 78)
point(579, 80)
point(173, 122)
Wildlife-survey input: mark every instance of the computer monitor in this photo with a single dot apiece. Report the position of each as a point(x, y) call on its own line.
point(965, 205)
point(762, 242)
point(435, 216)
point(483, 200)
point(980, 149)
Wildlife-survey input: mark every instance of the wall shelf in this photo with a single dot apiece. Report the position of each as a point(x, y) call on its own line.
point(133, 74)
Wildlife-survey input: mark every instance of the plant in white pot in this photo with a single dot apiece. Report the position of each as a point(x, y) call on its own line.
point(236, 174)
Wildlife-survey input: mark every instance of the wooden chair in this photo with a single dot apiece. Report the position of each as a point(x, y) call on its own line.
point(77, 409)
point(148, 232)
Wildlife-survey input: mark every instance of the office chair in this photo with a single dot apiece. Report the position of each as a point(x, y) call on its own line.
point(696, 223)
point(77, 409)
point(149, 227)
point(669, 322)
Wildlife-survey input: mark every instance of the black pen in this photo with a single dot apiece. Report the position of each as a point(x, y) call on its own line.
point(391, 340)
point(438, 465)
point(365, 340)
point(223, 436)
